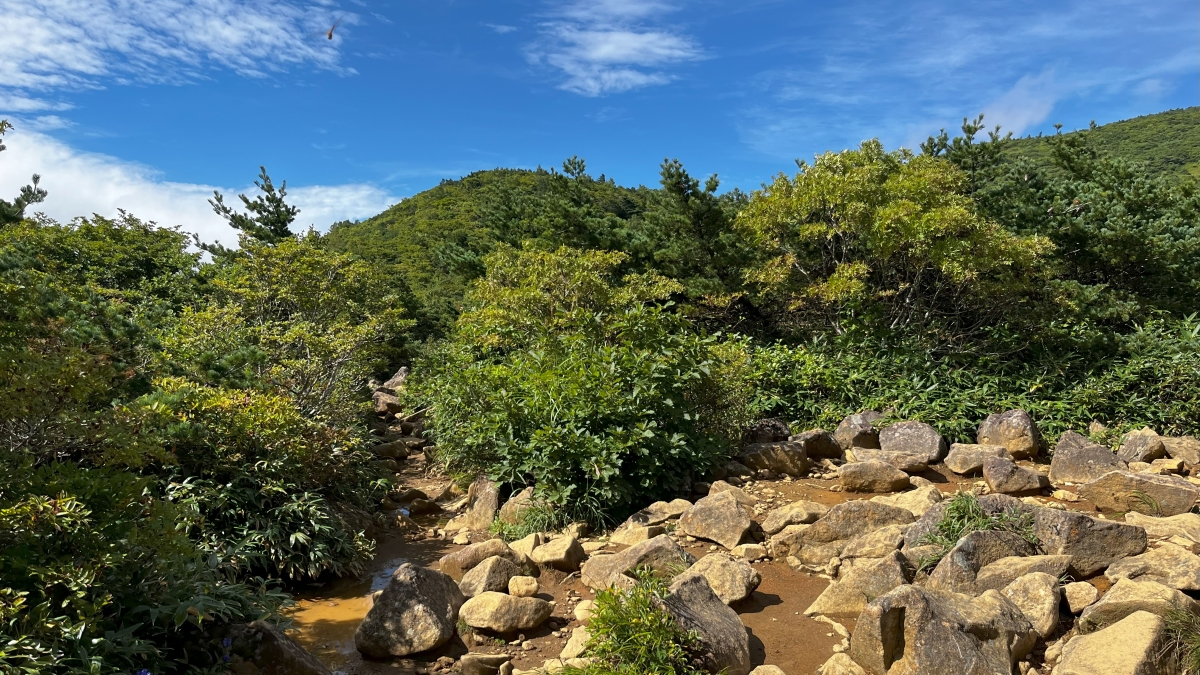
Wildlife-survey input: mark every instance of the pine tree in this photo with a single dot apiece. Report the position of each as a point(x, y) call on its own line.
point(269, 215)
point(14, 211)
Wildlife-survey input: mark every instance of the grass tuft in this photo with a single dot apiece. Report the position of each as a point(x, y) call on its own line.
point(964, 515)
point(1183, 638)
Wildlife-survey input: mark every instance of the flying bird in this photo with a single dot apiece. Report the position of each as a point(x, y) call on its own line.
point(335, 25)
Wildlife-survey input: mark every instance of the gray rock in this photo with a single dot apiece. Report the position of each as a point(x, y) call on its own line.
point(1014, 430)
point(1128, 596)
point(917, 501)
point(818, 444)
point(1004, 476)
point(996, 575)
point(1135, 645)
point(628, 536)
point(1148, 493)
point(1169, 565)
point(720, 518)
point(483, 500)
point(458, 563)
point(912, 630)
point(849, 595)
point(965, 458)
point(502, 613)
point(768, 430)
point(858, 431)
point(732, 580)
point(1186, 525)
point(958, 569)
point(915, 438)
point(904, 461)
point(796, 513)
point(659, 512)
point(1078, 460)
point(850, 519)
point(416, 611)
point(1080, 595)
point(483, 664)
point(271, 651)
point(738, 493)
point(392, 450)
point(1093, 544)
point(1141, 446)
point(738, 469)
point(1037, 596)
point(786, 457)
point(660, 554)
point(516, 506)
point(876, 544)
point(564, 553)
point(490, 575)
point(695, 607)
point(1186, 448)
point(872, 477)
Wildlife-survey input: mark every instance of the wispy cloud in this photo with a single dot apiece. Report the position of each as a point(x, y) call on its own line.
point(500, 28)
point(81, 184)
point(611, 46)
point(1029, 102)
point(72, 44)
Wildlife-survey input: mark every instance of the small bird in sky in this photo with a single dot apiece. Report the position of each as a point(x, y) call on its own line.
point(335, 25)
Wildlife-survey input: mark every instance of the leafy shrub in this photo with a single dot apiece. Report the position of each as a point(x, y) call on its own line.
point(964, 515)
point(560, 376)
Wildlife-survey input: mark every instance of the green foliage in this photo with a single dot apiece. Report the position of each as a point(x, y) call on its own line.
point(964, 515)
point(269, 217)
point(539, 517)
point(1183, 634)
point(633, 634)
point(14, 211)
point(588, 387)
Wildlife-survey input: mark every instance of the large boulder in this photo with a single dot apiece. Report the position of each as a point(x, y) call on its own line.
point(475, 663)
point(720, 518)
point(905, 461)
point(503, 613)
point(1142, 445)
point(659, 512)
point(849, 595)
point(850, 519)
point(1186, 448)
point(1149, 493)
point(1093, 544)
point(876, 544)
point(1168, 564)
point(796, 513)
point(1004, 476)
point(1135, 645)
point(738, 493)
point(516, 506)
point(660, 554)
point(1128, 596)
point(858, 431)
point(636, 534)
point(270, 651)
point(458, 563)
point(1014, 430)
point(1078, 460)
point(417, 611)
point(786, 457)
point(998, 574)
point(818, 444)
point(732, 580)
point(1037, 595)
point(696, 608)
point(913, 438)
point(912, 630)
point(917, 501)
point(564, 553)
point(483, 500)
point(492, 574)
point(1186, 525)
point(958, 569)
point(966, 458)
point(872, 477)
point(767, 431)
point(1080, 595)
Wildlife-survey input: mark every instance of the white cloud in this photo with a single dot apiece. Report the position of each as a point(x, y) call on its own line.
point(81, 184)
point(1029, 102)
point(603, 47)
point(71, 44)
point(500, 28)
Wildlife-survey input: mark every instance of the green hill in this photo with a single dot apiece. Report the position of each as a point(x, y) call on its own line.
point(1166, 142)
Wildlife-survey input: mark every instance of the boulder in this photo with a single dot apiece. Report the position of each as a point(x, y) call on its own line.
point(720, 518)
point(1037, 596)
point(525, 545)
point(628, 536)
point(1014, 430)
point(1186, 448)
point(737, 492)
point(1186, 525)
point(1141, 446)
point(849, 595)
point(876, 544)
point(1078, 460)
point(583, 611)
point(850, 519)
point(1093, 544)
point(458, 563)
point(958, 569)
point(1128, 596)
point(858, 431)
point(913, 630)
point(1004, 476)
point(784, 457)
point(1167, 466)
point(392, 450)
point(270, 651)
point(749, 551)
point(872, 477)
point(1080, 595)
point(1135, 645)
point(502, 613)
point(840, 664)
point(577, 643)
point(818, 444)
point(695, 607)
point(917, 501)
point(516, 506)
point(768, 430)
point(522, 586)
point(767, 670)
point(490, 575)
point(1148, 493)
point(1169, 565)
point(965, 458)
point(996, 575)
point(659, 512)
point(796, 513)
point(733, 468)
point(780, 544)
point(660, 554)
point(485, 664)
point(913, 438)
point(564, 553)
point(417, 611)
point(904, 461)
point(732, 580)
point(483, 500)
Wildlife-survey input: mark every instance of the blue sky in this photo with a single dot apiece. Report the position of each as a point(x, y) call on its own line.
point(148, 104)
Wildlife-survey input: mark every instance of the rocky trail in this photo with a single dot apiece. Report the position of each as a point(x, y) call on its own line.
point(810, 554)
